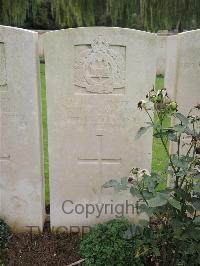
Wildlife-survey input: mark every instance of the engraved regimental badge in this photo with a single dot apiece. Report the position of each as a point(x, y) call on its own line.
point(100, 69)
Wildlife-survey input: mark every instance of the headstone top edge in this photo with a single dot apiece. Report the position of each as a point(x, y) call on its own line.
point(188, 32)
point(76, 30)
point(16, 29)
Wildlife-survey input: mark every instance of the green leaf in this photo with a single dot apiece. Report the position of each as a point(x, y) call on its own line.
point(180, 162)
point(172, 137)
point(147, 195)
point(110, 183)
point(180, 128)
point(197, 176)
point(118, 186)
point(151, 185)
point(157, 135)
point(114, 184)
point(197, 188)
point(196, 204)
point(143, 208)
point(141, 131)
point(150, 124)
point(159, 200)
point(182, 118)
point(156, 251)
point(135, 192)
point(177, 224)
point(176, 204)
point(188, 131)
point(143, 222)
point(132, 231)
point(197, 219)
point(190, 208)
point(124, 182)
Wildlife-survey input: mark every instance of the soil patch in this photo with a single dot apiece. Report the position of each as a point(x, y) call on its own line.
point(42, 249)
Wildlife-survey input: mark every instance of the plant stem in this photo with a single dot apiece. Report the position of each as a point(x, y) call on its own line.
point(163, 142)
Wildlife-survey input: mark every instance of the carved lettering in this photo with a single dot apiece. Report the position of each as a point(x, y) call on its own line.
point(112, 112)
point(192, 63)
point(3, 76)
point(4, 104)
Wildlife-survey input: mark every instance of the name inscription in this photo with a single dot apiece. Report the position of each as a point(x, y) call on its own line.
point(111, 113)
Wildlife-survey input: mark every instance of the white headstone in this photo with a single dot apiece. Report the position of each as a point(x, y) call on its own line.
point(21, 173)
point(183, 69)
point(95, 78)
point(182, 77)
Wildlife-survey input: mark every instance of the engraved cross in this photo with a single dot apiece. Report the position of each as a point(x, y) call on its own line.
point(99, 159)
point(4, 157)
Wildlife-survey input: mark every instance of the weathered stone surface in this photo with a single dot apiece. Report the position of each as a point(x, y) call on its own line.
point(161, 55)
point(21, 173)
point(171, 64)
point(95, 78)
point(183, 69)
point(183, 72)
point(188, 70)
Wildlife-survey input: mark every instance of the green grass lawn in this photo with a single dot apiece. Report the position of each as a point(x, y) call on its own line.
point(45, 131)
point(159, 161)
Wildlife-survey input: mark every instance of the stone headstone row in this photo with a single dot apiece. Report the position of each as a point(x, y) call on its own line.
point(94, 78)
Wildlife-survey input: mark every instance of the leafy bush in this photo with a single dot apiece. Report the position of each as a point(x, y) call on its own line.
point(106, 246)
point(172, 236)
point(5, 233)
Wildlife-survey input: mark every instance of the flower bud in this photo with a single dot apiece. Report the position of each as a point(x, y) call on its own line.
point(159, 98)
point(197, 106)
point(173, 106)
point(197, 150)
point(142, 104)
point(153, 99)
